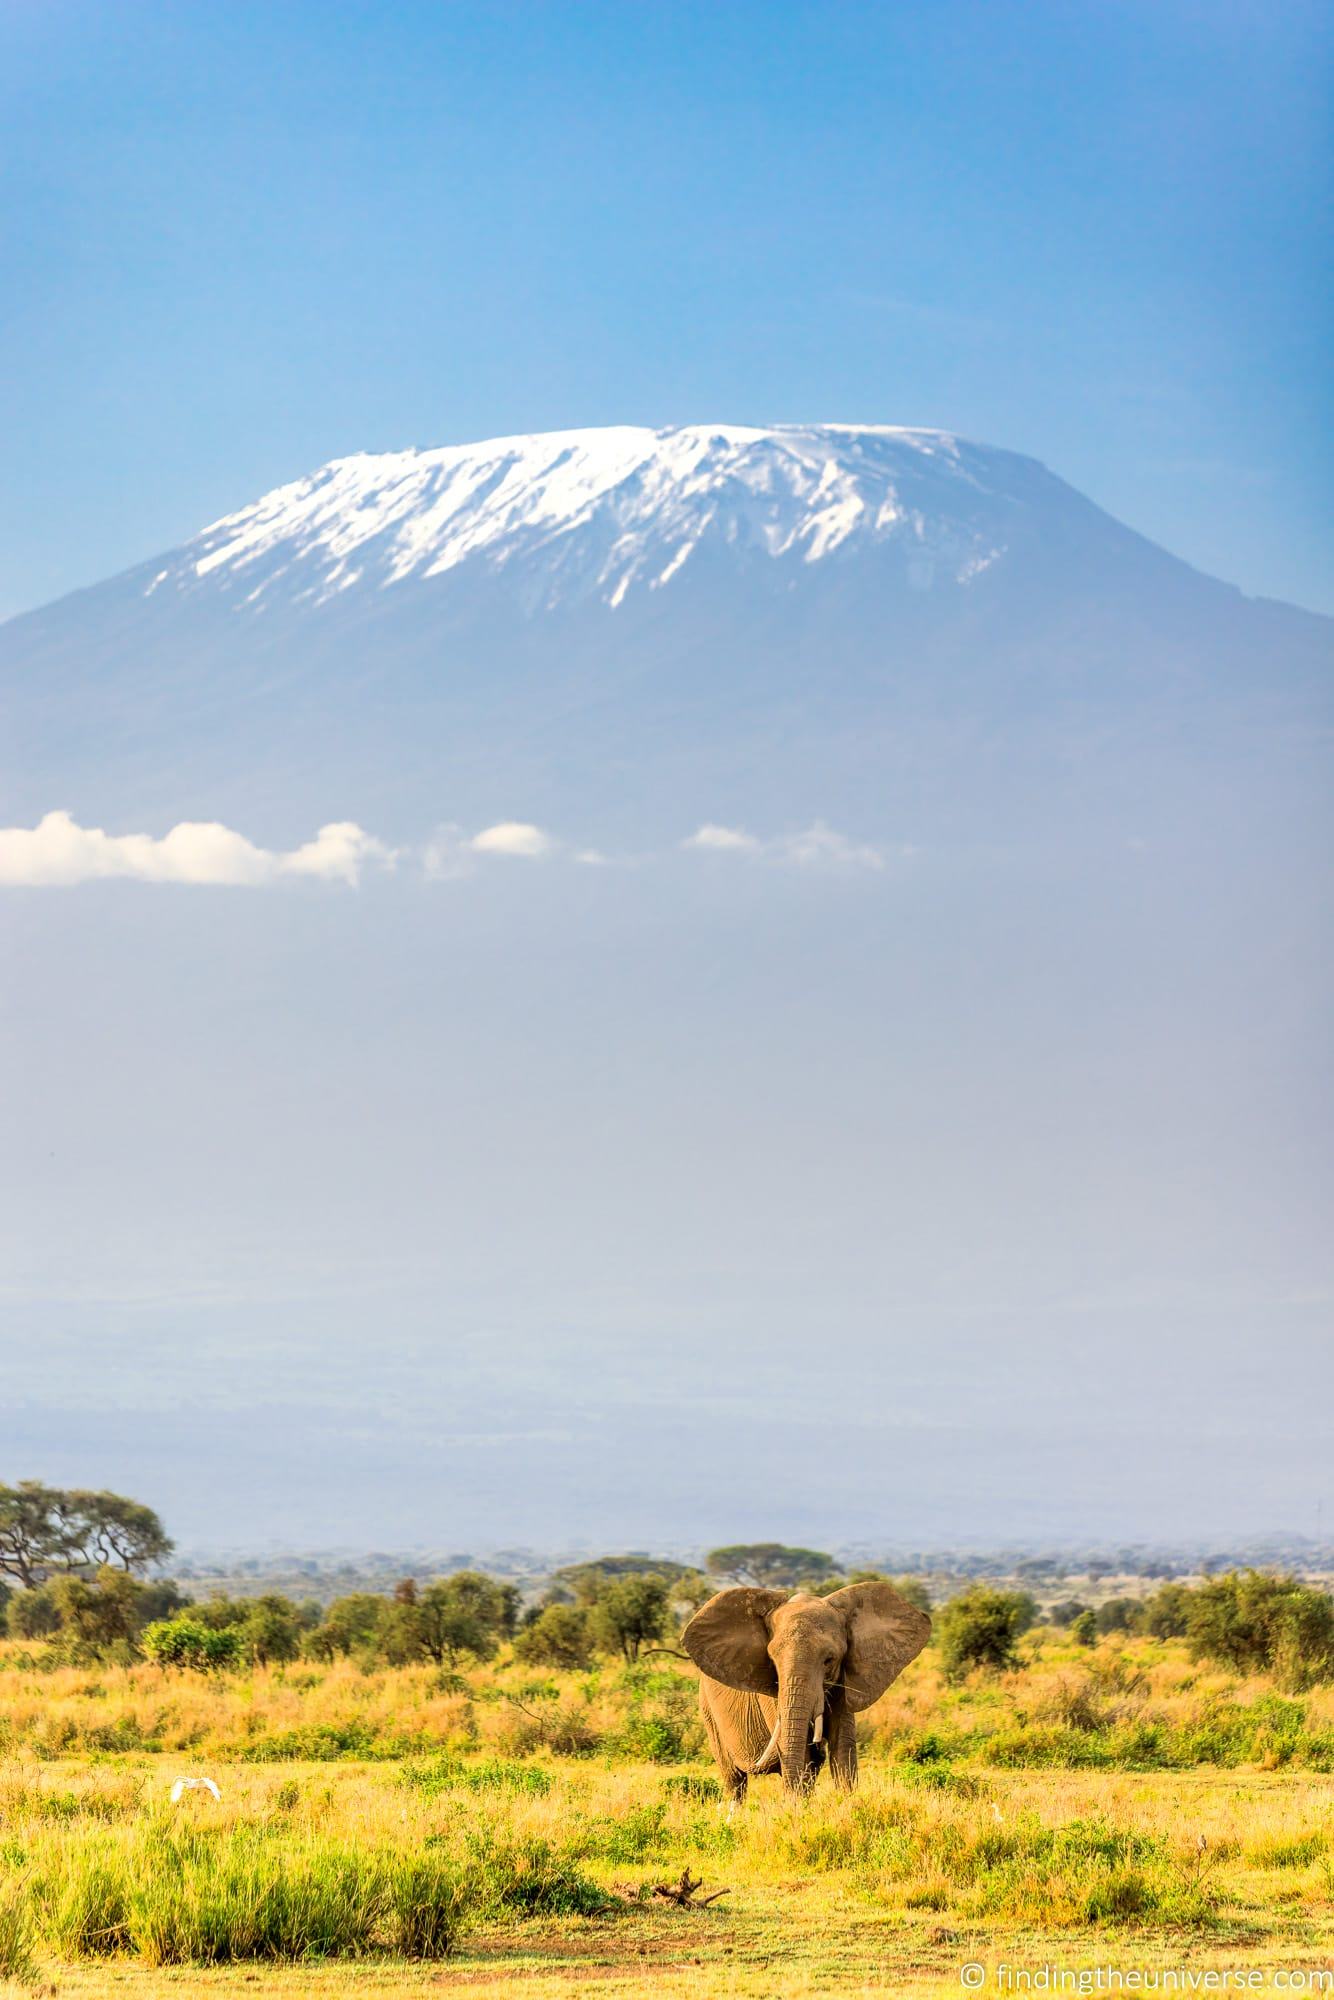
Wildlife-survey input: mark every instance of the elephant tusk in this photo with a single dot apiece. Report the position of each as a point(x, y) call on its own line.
point(762, 1761)
point(817, 1735)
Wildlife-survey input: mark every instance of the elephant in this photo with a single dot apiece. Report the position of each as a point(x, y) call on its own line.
point(783, 1676)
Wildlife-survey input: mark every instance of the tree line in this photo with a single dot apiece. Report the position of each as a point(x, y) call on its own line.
point(1250, 1621)
point(75, 1557)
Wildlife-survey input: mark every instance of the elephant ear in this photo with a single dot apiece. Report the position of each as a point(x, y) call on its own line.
point(728, 1639)
point(885, 1632)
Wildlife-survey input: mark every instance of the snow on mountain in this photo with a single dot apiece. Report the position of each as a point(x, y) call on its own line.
point(604, 512)
point(708, 623)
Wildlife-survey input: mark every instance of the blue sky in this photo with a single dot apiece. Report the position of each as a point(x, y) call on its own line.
point(242, 239)
point(536, 1199)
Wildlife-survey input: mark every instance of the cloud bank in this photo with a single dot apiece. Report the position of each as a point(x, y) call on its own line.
point(58, 852)
point(817, 846)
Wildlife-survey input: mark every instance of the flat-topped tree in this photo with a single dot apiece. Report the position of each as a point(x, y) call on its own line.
point(771, 1564)
point(586, 1581)
point(50, 1531)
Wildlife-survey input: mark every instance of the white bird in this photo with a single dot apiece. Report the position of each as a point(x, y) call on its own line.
point(193, 1785)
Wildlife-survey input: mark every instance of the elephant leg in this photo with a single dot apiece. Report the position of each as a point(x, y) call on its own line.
point(841, 1731)
point(734, 1780)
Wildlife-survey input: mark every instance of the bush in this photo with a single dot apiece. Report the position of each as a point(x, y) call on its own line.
point(1084, 1629)
point(1118, 1614)
point(32, 1614)
point(630, 1614)
point(658, 1739)
point(634, 1836)
point(557, 1637)
point(1256, 1623)
point(982, 1628)
point(529, 1878)
point(351, 1624)
point(188, 1643)
point(1166, 1613)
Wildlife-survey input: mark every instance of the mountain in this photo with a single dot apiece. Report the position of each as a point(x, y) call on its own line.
point(947, 1122)
point(578, 516)
point(645, 615)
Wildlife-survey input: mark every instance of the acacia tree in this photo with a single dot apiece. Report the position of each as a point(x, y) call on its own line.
point(630, 1613)
point(50, 1531)
point(586, 1581)
point(463, 1613)
point(773, 1564)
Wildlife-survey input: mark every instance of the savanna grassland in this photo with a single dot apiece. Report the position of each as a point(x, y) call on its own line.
point(504, 1830)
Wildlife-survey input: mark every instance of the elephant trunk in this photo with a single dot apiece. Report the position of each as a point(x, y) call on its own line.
point(800, 1707)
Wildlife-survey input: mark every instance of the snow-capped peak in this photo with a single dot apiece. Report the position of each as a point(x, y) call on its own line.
point(601, 513)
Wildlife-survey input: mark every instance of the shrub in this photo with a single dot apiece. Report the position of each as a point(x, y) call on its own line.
point(349, 1625)
point(1256, 1623)
point(658, 1739)
point(981, 1628)
point(1084, 1629)
point(630, 1614)
point(186, 1642)
point(1165, 1614)
point(32, 1614)
point(271, 1631)
point(557, 1637)
point(527, 1877)
point(1118, 1614)
point(632, 1837)
point(107, 1612)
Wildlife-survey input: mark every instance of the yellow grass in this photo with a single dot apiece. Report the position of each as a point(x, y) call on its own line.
point(928, 1866)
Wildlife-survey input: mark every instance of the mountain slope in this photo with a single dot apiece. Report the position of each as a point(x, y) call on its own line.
point(802, 613)
point(598, 513)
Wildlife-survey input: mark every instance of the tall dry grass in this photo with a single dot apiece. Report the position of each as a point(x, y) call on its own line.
point(1136, 1704)
point(387, 1812)
point(350, 1861)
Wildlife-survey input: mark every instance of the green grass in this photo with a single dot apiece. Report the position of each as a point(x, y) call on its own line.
point(511, 1831)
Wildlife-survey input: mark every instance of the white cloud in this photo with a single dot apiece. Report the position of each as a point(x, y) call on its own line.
point(818, 846)
point(337, 853)
point(821, 847)
point(514, 837)
point(58, 852)
point(733, 839)
point(450, 852)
